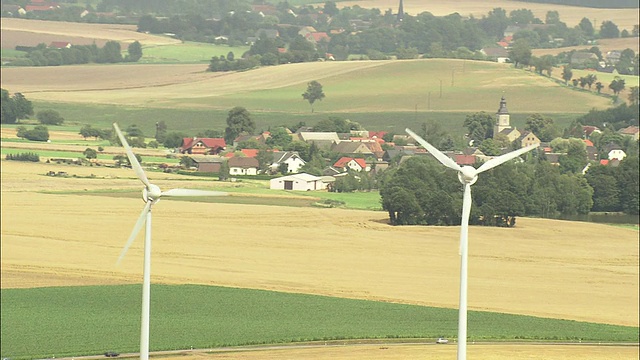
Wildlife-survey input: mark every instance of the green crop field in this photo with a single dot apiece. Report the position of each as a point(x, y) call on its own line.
point(188, 52)
point(88, 320)
point(193, 121)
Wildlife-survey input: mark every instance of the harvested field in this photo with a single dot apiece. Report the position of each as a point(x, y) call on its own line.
point(355, 86)
point(545, 268)
point(33, 32)
point(430, 352)
point(604, 45)
point(571, 15)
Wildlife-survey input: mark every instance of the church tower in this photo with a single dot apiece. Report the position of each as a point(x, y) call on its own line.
point(502, 118)
point(400, 12)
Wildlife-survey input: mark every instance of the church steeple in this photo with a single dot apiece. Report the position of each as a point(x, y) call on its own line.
point(502, 118)
point(400, 11)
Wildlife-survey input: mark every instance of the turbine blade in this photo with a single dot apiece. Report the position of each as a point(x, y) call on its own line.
point(132, 158)
point(136, 229)
point(503, 158)
point(466, 211)
point(444, 159)
point(192, 192)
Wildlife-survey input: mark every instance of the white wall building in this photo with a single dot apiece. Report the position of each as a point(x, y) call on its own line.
point(298, 182)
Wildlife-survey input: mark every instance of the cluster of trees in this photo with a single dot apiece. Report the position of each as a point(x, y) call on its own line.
point(13, 108)
point(37, 133)
point(615, 189)
point(421, 191)
point(31, 157)
point(111, 52)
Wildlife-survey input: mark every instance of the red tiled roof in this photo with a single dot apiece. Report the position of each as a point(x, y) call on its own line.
point(41, 7)
point(343, 161)
point(604, 162)
point(461, 159)
point(377, 134)
point(213, 143)
point(317, 36)
point(588, 142)
point(59, 44)
point(250, 152)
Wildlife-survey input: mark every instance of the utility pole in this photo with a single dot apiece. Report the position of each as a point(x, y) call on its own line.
point(452, 72)
point(440, 88)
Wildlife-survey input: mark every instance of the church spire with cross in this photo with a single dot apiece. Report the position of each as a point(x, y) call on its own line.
point(400, 11)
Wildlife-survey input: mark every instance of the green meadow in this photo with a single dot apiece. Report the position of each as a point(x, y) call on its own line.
point(188, 52)
point(89, 320)
point(390, 97)
point(193, 121)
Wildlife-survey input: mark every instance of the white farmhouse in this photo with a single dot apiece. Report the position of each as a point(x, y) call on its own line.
point(298, 182)
point(291, 158)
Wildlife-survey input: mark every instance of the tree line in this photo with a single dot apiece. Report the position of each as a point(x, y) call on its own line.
point(111, 52)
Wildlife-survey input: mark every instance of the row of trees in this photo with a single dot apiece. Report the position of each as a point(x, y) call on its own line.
point(111, 52)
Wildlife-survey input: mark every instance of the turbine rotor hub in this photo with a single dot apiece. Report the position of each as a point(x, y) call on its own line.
point(468, 175)
point(154, 192)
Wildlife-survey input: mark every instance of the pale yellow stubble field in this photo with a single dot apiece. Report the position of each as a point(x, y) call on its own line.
point(545, 268)
point(32, 32)
point(571, 15)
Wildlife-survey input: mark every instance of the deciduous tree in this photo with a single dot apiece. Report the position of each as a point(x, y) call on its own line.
point(314, 92)
point(238, 121)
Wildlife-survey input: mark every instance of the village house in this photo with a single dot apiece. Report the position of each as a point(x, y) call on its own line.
point(243, 166)
point(209, 164)
point(345, 164)
point(527, 139)
point(202, 146)
point(323, 140)
point(291, 158)
point(60, 45)
point(632, 131)
point(352, 148)
point(298, 182)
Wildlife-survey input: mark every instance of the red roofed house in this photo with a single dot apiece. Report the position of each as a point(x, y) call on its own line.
point(349, 163)
point(246, 152)
point(60, 45)
point(462, 159)
point(316, 37)
point(202, 146)
point(632, 131)
point(41, 6)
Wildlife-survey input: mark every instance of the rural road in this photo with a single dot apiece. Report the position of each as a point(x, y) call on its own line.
point(328, 344)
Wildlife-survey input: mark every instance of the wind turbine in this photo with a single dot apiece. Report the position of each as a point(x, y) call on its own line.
point(467, 175)
point(150, 194)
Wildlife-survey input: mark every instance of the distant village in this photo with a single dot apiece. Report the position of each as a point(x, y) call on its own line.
point(362, 151)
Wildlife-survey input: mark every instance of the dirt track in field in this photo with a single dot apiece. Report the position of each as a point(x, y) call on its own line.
point(571, 15)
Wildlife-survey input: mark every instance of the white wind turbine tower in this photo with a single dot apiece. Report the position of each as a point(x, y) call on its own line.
point(468, 176)
point(150, 194)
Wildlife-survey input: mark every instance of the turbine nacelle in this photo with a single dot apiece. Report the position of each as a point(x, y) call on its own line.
point(468, 175)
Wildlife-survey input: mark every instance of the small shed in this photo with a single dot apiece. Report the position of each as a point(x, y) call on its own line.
point(298, 182)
